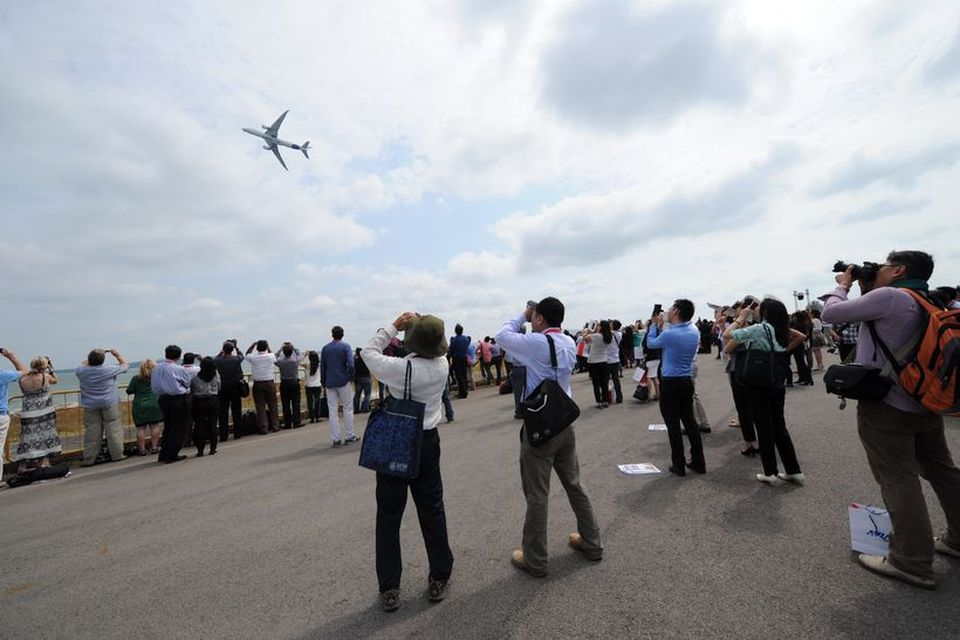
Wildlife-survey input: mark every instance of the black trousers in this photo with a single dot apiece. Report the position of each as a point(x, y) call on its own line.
point(599, 375)
point(174, 409)
point(742, 405)
point(518, 380)
point(313, 402)
point(460, 373)
point(804, 375)
point(676, 406)
point(206, 410)
point(427, 491)
point(614, 373)
point(498, 364)
point(845, 350)
point(229, 404)
point(766, 405)
point(290, 402)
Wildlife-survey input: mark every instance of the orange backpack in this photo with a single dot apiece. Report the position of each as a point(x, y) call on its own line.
point(931, 371)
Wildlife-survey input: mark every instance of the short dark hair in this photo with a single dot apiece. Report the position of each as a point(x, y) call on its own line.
point(337, 332)
point(189, 357)
point(919, 264)
point(287, 350)
point(685, 309)
point(616, 324)
point(458, 329)
point(552, 311)
point(95, 358)
point(228, 347)
point(172, 352)
point(262, 345)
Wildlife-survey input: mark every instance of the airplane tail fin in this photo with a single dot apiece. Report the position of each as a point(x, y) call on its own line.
point(304, 147)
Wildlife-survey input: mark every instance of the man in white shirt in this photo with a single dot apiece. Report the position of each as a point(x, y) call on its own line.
point(560, 452)
point(264, 386)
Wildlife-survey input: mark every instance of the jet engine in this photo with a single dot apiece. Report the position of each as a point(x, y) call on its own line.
point(266, 147)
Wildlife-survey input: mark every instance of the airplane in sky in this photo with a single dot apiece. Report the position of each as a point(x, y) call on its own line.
point(269, 135)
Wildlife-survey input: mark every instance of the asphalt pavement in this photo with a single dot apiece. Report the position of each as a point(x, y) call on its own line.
point(274, 538)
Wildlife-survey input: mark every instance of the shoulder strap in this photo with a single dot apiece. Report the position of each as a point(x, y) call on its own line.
point(903, 354)
point(408, 382)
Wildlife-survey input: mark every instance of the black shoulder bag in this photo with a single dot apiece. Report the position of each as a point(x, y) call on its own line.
point(548, 411)
point(758, 368)
point(861, 381)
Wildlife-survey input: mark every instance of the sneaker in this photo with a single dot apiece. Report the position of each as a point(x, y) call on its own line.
point(336, 444)
point(351, 439)
point(795, 478)
point(879, 564)
point(576, 542)
point(940, 546)
point(437, 590)
point(390, 599)
point(771, 480)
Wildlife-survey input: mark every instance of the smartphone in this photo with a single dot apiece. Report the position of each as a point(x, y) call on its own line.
point(657, 309)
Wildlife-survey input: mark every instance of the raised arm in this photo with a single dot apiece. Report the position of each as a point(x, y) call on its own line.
point(14, 360)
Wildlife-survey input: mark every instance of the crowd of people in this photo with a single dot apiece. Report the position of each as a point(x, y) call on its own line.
point(757, 338)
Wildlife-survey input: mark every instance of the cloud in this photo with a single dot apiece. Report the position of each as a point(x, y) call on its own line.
point(886, 209)
point(615, 65)
point(596, 228)
point(901, 172)
point(477, 267)
point(946, 67)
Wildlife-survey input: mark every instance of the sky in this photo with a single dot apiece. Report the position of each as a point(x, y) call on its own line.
point(466, 156)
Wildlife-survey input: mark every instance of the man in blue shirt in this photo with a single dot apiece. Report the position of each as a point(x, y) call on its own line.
point(459, 350)
point(6, 377)
point(336, 371)
point(679, 342)
point(171, 382)
point(101, 405)
point(558, 453)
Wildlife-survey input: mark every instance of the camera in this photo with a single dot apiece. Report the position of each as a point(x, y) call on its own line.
point(867, 272)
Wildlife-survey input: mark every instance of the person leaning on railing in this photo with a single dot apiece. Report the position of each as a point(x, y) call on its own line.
point(38, 417)
point(6, 377)
point(101, 405)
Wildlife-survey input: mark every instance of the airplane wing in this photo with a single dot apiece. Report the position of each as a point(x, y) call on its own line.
point(275, 127)
point(276, 152)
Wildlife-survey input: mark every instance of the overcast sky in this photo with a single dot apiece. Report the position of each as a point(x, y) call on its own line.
point(466, 156)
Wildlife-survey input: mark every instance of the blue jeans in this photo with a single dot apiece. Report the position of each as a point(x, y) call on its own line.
point(447, 404)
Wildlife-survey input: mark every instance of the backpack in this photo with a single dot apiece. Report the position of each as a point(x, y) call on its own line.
point(930, 370)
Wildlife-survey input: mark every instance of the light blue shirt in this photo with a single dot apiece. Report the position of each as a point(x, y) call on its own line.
point(170, 379)
point(760, 336)
point(532, 351)
point(679, 343)
point(6, 377)
point(98, 385)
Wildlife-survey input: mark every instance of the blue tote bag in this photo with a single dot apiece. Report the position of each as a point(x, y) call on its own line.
point(394, 435)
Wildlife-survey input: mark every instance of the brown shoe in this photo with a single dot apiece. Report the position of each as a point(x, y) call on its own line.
point(879, 564)
point(576, 542)
point(517, 560)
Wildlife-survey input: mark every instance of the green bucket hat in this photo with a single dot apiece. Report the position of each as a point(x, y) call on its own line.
point(425, 337)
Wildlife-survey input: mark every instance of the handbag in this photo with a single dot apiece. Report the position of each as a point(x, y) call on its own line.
point(548, 411)
point(859, 381)
point(756, 368)
point(244, 387)
point(394, 435)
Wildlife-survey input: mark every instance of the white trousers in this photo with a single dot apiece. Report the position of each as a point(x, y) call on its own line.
point(340, 397)
point(4, 426)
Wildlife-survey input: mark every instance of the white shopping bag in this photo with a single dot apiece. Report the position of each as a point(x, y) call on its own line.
point(869, 529)
point(640, 375)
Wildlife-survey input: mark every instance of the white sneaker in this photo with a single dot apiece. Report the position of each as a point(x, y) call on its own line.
point(771, 480)
point(795, 478)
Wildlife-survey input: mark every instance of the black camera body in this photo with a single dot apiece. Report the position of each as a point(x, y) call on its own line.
point(866, 272)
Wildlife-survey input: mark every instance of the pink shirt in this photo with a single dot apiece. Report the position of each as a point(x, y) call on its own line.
point(486, 351)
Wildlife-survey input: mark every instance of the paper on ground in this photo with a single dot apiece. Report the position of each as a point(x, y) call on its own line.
point(657, 427)
point(642, 468)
